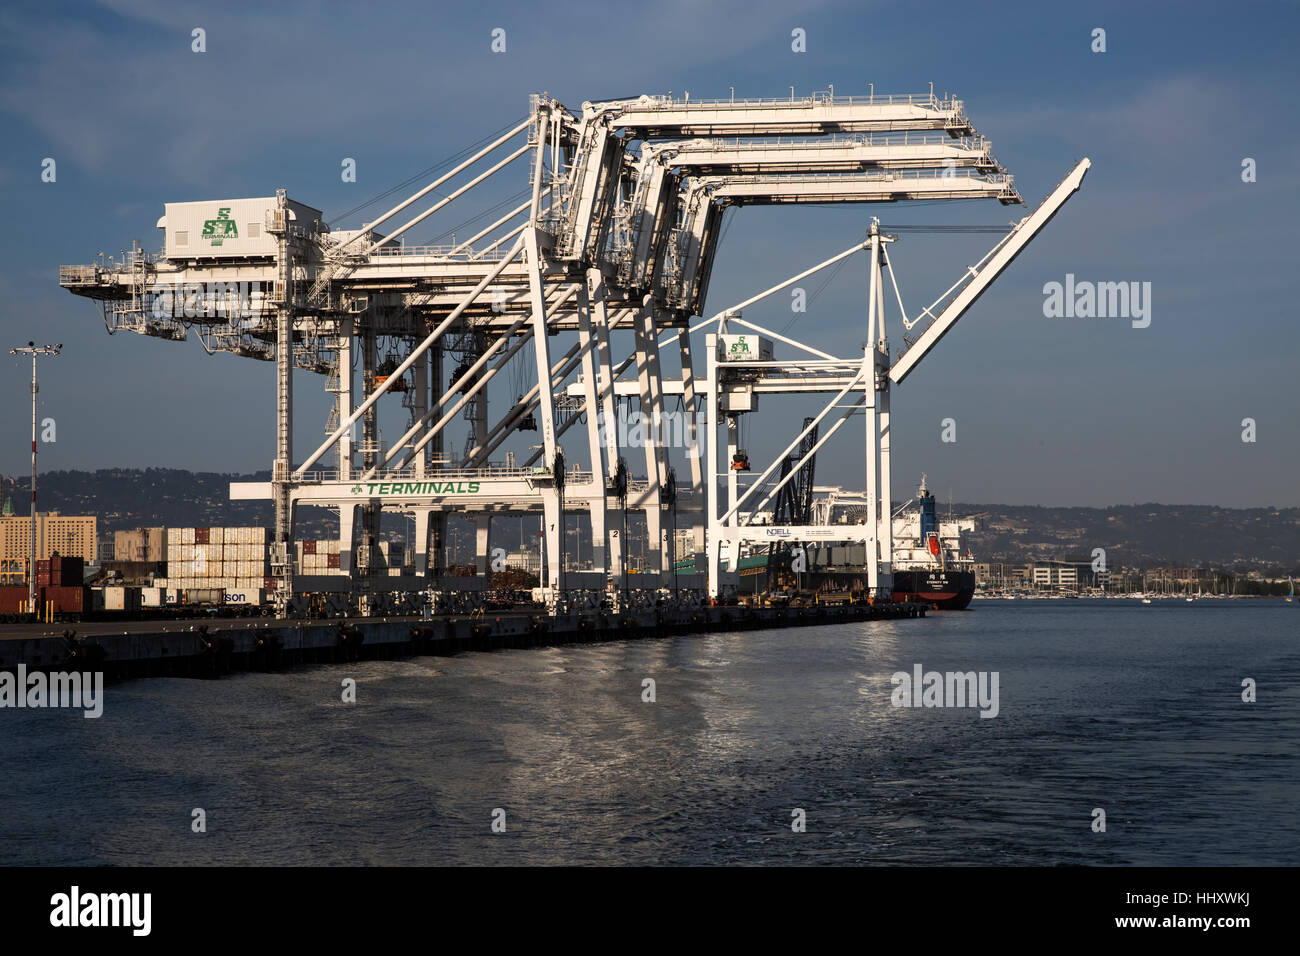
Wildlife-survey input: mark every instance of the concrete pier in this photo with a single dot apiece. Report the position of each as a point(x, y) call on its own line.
point(216, 647)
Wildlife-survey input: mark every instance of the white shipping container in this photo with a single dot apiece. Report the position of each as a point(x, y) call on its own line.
point(244, 596)
point(152, 597)
point(187, 535)
point(217, 535)
point(115, 599)
point(227, 227)
point(173, 536)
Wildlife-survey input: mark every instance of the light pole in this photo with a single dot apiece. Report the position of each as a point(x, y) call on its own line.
point(34, 350)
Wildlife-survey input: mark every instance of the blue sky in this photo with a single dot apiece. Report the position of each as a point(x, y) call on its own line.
point(1048, 411)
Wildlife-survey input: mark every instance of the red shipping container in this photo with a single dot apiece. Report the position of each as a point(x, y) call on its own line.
point(201, 536)
point(67, 600)
point(11, 598)
point(309, 547)
point(333, 560)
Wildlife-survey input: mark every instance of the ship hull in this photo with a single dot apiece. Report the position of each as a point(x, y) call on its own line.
point(946, 590)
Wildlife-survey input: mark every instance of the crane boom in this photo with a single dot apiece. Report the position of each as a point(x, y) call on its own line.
point(1012, 247)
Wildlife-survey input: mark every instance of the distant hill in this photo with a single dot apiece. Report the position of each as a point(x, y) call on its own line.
point(1147, 535)
point(126, 498)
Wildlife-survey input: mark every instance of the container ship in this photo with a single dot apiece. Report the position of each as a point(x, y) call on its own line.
point(931, 560)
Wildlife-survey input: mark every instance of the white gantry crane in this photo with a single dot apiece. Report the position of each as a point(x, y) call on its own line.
point(615, 230)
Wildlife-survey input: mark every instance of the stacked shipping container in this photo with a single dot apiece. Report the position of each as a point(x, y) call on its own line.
point(322, 557)
point(319, 557)
point(60, 571)
point(211, 559)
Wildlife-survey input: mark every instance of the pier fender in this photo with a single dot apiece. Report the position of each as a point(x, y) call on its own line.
point(214, 652)
point(348, 640)
point(78, 654)
point(267, 649)
point(421, 638)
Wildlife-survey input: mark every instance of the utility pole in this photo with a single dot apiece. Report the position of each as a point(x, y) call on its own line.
point(34, 350)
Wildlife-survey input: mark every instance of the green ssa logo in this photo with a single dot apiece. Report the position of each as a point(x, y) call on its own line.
point(223, 227)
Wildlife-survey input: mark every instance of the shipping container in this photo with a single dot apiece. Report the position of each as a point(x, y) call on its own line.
point(228, 227)
point(152, 597)
point(244, 597)
point(13, 600)
point(66, 600)
point(121, 599)
point(61, 570)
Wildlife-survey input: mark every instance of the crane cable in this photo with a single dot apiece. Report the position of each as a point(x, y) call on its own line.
point(436, 168)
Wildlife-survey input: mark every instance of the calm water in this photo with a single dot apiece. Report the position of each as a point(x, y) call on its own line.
point(1134, 709)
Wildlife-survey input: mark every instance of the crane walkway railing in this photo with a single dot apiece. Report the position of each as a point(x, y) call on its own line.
point(819, 98)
